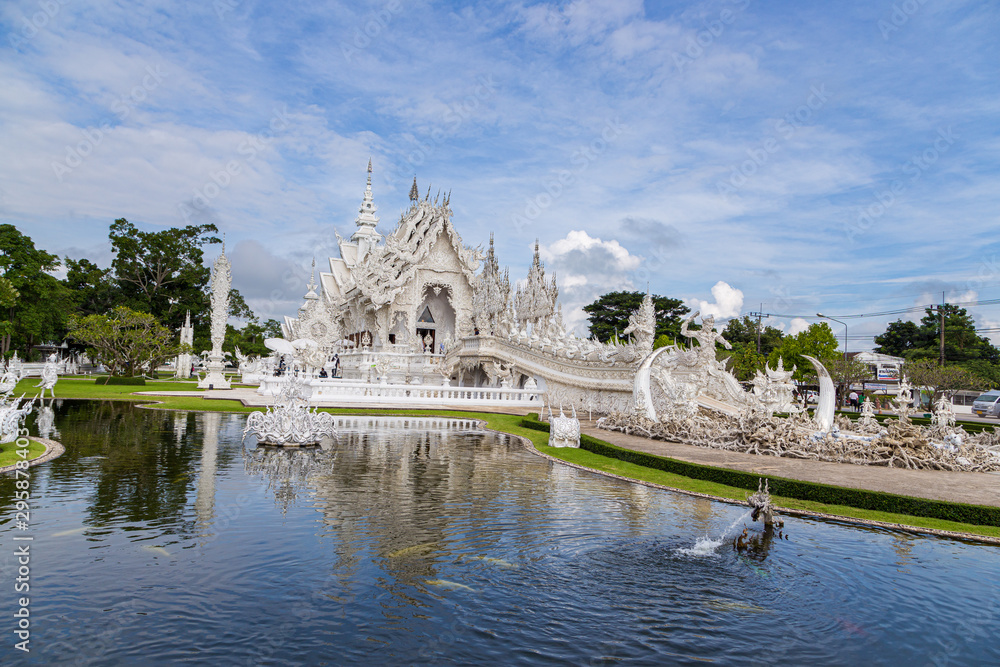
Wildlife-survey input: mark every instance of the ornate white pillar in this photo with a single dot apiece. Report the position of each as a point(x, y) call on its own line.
point(222, 279)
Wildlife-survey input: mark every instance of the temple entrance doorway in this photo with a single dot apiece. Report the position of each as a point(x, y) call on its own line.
point(435, 318)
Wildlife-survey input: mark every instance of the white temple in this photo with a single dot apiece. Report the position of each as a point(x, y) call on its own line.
point(412, 289)
point(419, 307)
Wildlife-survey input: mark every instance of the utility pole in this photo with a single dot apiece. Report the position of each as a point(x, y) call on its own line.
point(941, 311)
point(759, 315)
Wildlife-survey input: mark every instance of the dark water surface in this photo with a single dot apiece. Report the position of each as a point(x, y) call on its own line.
point(158, 539)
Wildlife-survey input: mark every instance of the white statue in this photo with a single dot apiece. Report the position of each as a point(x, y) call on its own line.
point(642, 323)
point(904, 401)
point(564, 431)
point(9, 379)
point(868, 420)
point(50, 375)
point(943, 413)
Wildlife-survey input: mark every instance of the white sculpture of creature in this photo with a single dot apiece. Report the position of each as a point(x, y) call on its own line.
point(50, 375)
point(564, 431)
point(12, 415)
point(9, 380)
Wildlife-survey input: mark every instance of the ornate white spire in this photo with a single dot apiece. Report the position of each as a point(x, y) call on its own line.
point(366, 236)
point(311, 294)
point(536, 299)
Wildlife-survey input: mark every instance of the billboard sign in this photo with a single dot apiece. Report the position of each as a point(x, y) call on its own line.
point(888, 373)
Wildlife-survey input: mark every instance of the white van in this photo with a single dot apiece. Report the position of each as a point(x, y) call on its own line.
point(987, 405)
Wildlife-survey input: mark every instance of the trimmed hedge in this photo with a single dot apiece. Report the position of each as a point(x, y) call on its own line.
point(114, 379)
point(822, 493)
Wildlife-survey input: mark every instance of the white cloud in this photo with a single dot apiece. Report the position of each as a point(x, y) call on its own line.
point(797, 326)
point(586, 268)
point(728, 302)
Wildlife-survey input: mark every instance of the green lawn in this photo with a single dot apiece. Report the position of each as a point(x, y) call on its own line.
point(9, 452)
point(80, 387)
point(86, 388)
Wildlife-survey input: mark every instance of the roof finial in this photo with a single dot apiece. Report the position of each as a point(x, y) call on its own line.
point(369, 172)
point(414, 193)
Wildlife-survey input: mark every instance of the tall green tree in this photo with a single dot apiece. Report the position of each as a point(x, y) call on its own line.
point(162, 272)
point(39, 312)
point(609, 314)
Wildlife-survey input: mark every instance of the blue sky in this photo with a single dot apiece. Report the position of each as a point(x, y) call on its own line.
point(834, 157)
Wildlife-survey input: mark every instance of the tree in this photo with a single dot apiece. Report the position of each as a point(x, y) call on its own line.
point(94, 289)
point(609, 314)
point(900, 338)
point(961, 342)
point(846, 374)
point(927, 373)
point(743, 331)
point(162, 273)
point(744, 362)
point(817, 341)
point(39, 311)
point(742, 335)
point(125, 341)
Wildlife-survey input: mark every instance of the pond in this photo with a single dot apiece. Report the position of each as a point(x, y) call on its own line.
point(157, 537)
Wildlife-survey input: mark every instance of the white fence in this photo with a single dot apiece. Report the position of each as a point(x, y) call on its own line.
point(337, 392)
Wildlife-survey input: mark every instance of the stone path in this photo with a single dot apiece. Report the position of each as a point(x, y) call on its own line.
point(959, 487)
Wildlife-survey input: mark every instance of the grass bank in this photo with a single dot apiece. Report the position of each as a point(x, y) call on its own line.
point(9, 452)
point(86, 388)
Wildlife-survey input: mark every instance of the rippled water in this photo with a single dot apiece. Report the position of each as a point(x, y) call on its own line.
point(157, 538)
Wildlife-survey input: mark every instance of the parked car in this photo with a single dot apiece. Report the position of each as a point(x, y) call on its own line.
point(987, 405)
point(812, 396)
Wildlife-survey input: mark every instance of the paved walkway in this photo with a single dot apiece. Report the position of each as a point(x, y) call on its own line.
point(959, 487)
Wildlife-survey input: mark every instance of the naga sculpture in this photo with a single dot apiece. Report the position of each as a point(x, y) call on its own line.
point(564, 431)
